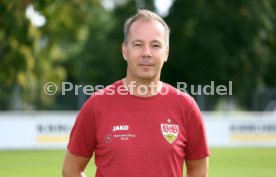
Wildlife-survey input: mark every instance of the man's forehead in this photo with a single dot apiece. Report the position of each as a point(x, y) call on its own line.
point(140, 40)
point(151, 29)
point(146, 23)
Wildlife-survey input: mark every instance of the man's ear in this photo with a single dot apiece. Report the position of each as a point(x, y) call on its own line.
point(124, 50)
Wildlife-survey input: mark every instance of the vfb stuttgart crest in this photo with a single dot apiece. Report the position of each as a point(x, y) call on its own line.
point(170, 132)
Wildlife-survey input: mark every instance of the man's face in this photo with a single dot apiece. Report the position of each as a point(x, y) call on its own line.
point(146, 50)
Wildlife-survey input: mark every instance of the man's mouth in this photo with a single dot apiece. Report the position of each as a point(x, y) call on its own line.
point(145, 64)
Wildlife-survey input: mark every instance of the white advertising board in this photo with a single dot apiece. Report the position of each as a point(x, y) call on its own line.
point(50, 130)
point(35, 130)
point(241, 129)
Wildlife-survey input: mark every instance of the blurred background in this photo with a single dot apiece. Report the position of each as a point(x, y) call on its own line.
point(79, 41)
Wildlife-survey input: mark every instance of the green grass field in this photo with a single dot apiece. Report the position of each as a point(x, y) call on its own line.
point(224, 162)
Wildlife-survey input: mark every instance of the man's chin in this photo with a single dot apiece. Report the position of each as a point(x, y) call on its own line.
point(147, 77)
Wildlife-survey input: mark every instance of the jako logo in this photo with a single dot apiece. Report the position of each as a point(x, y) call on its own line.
point(120, 127)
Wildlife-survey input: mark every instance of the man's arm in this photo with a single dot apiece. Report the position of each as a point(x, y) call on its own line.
point(197, 168)
point(73, 165)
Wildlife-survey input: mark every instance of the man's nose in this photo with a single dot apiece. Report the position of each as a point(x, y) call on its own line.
point(146, 52)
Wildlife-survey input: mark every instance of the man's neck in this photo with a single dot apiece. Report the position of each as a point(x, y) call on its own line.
point(143, 88)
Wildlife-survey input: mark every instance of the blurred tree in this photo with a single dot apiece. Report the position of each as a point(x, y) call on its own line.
point(32, 55)
point(67, 33)
point(221, 41)
point(19, 40)
point(270, 72)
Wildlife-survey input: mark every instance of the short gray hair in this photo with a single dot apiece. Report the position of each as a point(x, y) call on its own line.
point(145, 15)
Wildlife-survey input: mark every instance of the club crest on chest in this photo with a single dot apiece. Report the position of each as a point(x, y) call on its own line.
point(170, 131)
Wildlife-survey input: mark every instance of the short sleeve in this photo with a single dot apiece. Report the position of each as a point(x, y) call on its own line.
point(82, 137)
point(197, 146)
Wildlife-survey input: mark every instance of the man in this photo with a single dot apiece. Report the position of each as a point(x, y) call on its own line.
point(140, 126)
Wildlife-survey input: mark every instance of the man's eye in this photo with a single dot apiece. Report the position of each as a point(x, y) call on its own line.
point(137, 45)
point(156, 46)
